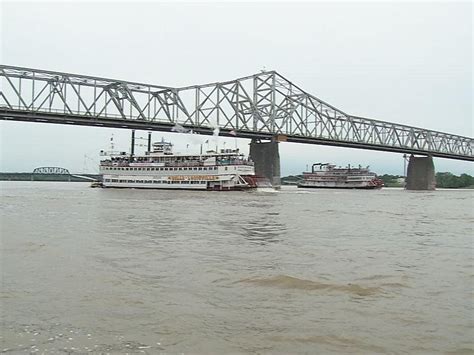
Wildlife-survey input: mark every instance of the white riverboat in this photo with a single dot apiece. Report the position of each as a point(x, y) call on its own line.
point(325, 175)
point(161, 168)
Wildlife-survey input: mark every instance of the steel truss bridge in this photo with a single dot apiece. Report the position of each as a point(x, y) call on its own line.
point(261, 106)
point(51, 170)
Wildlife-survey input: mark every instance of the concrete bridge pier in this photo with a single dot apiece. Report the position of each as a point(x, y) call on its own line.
point(266, 158)
point(420, 174)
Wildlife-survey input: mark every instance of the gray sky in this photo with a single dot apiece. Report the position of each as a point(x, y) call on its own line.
point(403, 62)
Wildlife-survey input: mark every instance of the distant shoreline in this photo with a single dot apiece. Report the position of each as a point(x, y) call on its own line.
point(48, 177)
point(285, 181)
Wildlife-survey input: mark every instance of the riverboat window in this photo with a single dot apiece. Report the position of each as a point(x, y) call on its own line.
point(180, 169)
point(148, 169)
point(148, 181)
point(200, 169)
point(132, 181)
point(114, 180)
point(195, 168)
point(176, 182)
point(226, 168)
point(126, 168)
point(165, 169)
point(123, 180)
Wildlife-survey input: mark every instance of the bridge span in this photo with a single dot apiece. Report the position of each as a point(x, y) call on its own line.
point(260, 107)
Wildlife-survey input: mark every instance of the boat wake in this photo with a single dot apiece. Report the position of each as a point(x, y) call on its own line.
point(266, 190)
point(289, 282)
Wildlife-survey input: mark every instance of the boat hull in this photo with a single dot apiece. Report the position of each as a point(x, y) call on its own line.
point(233, 188)
point(341, 187)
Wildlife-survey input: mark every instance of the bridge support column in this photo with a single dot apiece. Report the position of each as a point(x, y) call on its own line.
point(420, 174)
point(266, 158)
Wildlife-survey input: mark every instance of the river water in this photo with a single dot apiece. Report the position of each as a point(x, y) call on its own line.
point(292, 271)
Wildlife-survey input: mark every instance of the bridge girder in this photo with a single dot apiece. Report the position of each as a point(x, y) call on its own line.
point(258, 106)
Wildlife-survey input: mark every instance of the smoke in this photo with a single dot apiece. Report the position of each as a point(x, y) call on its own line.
point(180, 129)
point(192, 137)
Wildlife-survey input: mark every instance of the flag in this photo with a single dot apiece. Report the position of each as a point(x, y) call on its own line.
point(234, 133)
point(207, 141)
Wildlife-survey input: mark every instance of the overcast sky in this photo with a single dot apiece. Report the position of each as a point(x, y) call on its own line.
point(403, 62)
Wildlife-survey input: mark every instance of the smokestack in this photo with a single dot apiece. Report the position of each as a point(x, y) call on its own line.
point(132, 149)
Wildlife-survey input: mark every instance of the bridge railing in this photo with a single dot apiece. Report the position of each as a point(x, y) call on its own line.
point(262, 104)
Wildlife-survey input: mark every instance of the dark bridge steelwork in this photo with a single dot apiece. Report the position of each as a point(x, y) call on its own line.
point(259, 106)
point(51, 170)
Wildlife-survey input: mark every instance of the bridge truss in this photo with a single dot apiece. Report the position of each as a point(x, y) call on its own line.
point(51, 170)
point(260, 106)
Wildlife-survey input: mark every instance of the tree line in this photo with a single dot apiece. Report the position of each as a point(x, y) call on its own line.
point(452, 181)
point(443, 180)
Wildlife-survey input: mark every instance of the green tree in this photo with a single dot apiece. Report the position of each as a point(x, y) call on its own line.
point(449, 180)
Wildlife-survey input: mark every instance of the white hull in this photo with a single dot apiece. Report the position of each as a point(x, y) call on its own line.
point(176, 182)
point(336, 185)
point(155, 186)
